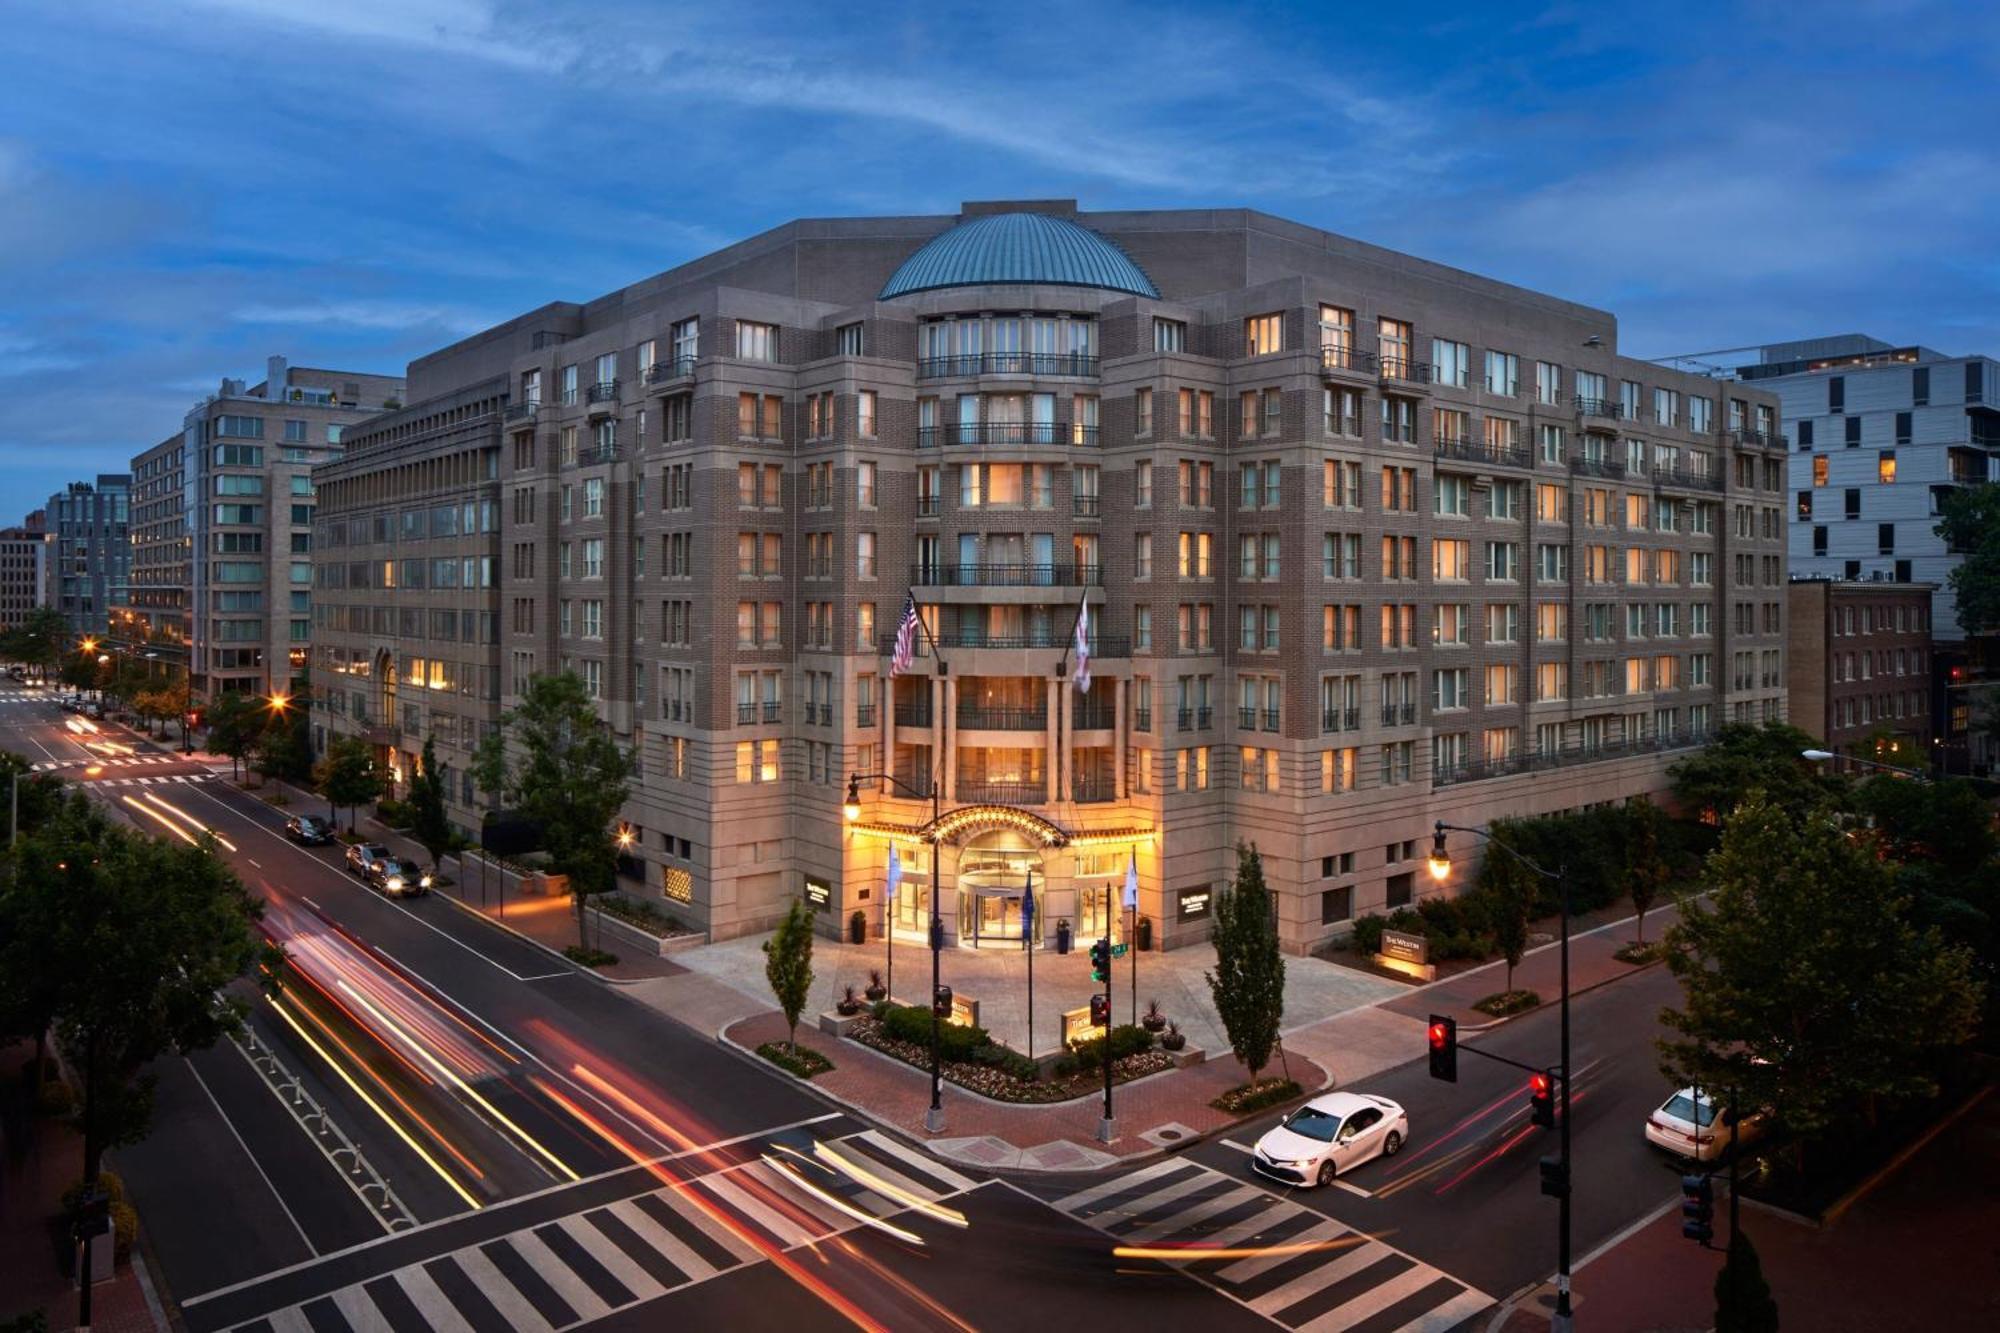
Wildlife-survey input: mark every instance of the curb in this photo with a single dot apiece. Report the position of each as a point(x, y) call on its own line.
point(559, 956)
point(1633, 969)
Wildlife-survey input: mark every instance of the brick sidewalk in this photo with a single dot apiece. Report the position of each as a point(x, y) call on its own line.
point(1590, 964)
point(39, 1159)
point(1172, 1108)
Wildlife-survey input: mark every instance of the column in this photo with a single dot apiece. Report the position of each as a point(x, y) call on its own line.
point(946, 697)
point(1118, 739)
point(1054, 743)
point(1062, 701)
point(885, 726)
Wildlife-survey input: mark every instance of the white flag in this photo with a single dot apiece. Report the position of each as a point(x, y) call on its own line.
point(895, 872)
point(1132, 881)
point(1083, 649)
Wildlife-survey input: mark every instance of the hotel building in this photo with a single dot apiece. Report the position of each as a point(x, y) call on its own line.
point(1364, 541)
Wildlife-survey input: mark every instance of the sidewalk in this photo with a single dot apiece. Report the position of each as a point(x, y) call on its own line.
point(39, 1159)
point(1917, 1252)
point(1590, 965)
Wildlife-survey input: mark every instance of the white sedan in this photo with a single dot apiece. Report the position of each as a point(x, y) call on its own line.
point(1328, 1135)
point(1688, 1124)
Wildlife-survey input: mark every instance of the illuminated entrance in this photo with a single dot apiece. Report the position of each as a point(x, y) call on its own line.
point(993, 870)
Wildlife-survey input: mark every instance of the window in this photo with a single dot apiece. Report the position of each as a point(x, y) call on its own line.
point(1142, 400)
point(1450, 495)
point(756, 342)
point(1451, 625)
point(1885, 467)
point(864, 411)
point(1503, 373)
point(1451, 559)
point(1336, 336)
point(864, 484)
point(1395, 339)
point(1451, 362)
point(1142, 485)
point(847, 340)
point(1342, 409)
point(1399, 420)
point(864, 555)
point(1263, 335)
point(1503, 561)
point(1548, 382)
point(1169, 335)
point(1820, 470)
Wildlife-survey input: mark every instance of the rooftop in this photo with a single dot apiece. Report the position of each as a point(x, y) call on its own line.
point(1018, 248)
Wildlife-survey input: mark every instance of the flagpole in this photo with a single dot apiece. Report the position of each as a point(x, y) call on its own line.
point(1132, 929)
point(1028, 938)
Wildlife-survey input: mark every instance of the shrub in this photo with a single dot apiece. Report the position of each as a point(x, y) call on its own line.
point(636, 911)
point(1248, 1097)
point(801, 1063)
point(1007, 1061)
point(124, 1230)
point(1126, 1039)
point(56, 1100)
point(1508, 1002)
point(1368, 933)
point(576, 953)
point(109, 1181)
point(396, 814)
point(912, 1023)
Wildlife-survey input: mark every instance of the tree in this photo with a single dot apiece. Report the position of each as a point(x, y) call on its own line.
point(1510, 889)
point(1646, 867)
point(1248, 983)
point(567, 776)
point(40, 639)
point(28, 988)
point(1743, 1301)
point(1969, 522)
point(1715, 780)
point(1946, 822)
point(788, 966)
point(428, 824)
point(235, 721)
point(348, 776)
point(1804, 985)
point(278, 753)
point(132, 942)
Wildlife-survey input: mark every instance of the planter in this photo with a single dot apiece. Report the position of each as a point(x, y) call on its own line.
point(876, 994)
point(1154, 1023)
point(1187, 1057)
point(837, 1024)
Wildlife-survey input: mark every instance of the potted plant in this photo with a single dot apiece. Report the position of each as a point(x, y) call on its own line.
point(1153, 1020)
point(848, 1005)
point(876, 991)
point(1173, 1039)
point(857, 927)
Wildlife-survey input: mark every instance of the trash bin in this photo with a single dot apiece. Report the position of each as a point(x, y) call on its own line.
point(1145, 934)
point(1062, 935)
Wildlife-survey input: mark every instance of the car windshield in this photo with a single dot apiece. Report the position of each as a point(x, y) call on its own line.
point(404, 868)
point(1682, 1107)
point(1310, 1123)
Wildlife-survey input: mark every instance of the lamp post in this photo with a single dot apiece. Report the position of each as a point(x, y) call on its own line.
point(851, 810)
point(1828, 756)
point(1440, 868)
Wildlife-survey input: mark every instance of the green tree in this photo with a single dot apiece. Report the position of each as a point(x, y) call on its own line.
point(428, 824)
point(40, 640)
point(1804, 985)
point(235, 721)
point(1510, 890)
point(1946, 822)
point(1647, 869)
point(133, 942)
point(1248, 983)
point(788, 957)
point(28, 989)
point(556, 764)
point(277, 752)
point(1743, 1302)
point(1716, 779)
point(348, 776)
point(1969, 522)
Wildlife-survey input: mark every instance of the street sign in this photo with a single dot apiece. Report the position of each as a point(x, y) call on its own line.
point(1118, 950)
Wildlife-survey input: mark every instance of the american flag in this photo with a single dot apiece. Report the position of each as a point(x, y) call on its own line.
point(906, 638)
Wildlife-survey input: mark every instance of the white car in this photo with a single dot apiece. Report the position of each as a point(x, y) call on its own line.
point(1328, 1135)
point(1674, 1127)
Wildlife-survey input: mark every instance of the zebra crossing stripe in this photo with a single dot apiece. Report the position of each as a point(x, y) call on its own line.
point(1245, 1269)
point(1336, 1268)
point(1076, 1204)
point(925, 1167)
point(562, 1279)
point(788, 1231)
point(613, 1260)
point(1201, 1212)
point(502, 1294)
point(436, 1308)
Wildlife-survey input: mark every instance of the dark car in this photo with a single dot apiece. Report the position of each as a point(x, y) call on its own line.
point(399, 875)
point(308, 831)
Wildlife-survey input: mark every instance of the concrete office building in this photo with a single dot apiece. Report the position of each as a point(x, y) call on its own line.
point(1365, 542)
point(221, 588)
point(24, 574)
point(91, 550)
point(1857, 662)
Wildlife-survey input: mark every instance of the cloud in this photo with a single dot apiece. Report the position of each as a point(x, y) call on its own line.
point(360, 314)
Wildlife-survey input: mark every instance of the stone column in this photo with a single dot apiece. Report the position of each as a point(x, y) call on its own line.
point(1118, 740)
point(946, 698)
point(1052, 761)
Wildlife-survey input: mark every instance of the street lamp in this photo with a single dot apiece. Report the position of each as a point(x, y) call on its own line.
point(1824, 756)
point(850, 808)
point(1440, 867)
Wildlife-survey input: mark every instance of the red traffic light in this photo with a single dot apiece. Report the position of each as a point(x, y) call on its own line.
point(1538, 1084)
point(1541, 1102)
point(1437, 1036)
point(1443, 1034)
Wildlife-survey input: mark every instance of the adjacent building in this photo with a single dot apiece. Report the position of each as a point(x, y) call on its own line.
point(24, 572)
point(221, 587)
point(1857, 663)
point(1363, 542)
point(90, 550)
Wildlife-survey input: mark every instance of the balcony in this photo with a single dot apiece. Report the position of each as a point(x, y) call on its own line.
point(1094, 790)
point(1346, 360)
point(1758, 439)
point(772, 711)
point(996, 432)
point(1596, 467)
point(670, 371)
point(1101, 645)
point(521, 412)
point(914, 715)
point(746, 714)
point(1340, 719)
point(1270, 719)
point(1399, 715)
point(1665, 475)
point(975, 718)
point(601, 398)
point(1608, 408)
point(1074, 365)
point(1246, 719)
point(981, 575)
point(1192, 719)
point(864, 715)
point(1093, 717)
point(593, 454)
point(1086, 506)
point(1476, 770)
point(1142, 719)
point(1003, 793)
point(927, 506)
point(1402, 370)
point(1478, 451)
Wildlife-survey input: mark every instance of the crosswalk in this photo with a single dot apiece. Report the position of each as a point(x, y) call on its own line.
point(115, 761)
point(1297, 1267)
point(133, 774)
point(572, 1270)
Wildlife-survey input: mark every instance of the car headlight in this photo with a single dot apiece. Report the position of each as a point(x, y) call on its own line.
point(395, 881)
point(425, 882)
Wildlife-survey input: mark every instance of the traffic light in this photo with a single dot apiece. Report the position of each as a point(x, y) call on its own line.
point(1444, 1048)
point(1100, 1011)
point(1555, 1178)
point(1100, 961)
point(1542, 1099)
point(1697, 1209)
point(941, 1002)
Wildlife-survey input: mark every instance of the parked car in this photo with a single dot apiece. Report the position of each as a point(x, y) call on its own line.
point(400, 875)
point(1689, 1124)
point(93, 711)
point(308, 831)
point(364, 857)
point(1329, 1135)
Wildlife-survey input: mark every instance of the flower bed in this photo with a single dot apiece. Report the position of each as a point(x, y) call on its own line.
point(635, 912)
point(1003, 1074)
point(1249, 1097)
point(1508, 1002)
point(803, 1062)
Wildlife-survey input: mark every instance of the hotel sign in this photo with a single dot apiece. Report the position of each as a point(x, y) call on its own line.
point(819, 894)
point(1405, 948)
point(1193, 904)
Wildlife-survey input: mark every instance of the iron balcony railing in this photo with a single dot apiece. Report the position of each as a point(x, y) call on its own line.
point(1758, 439)
point(864, 715)
point(1398, 715)
point(1096, 718)
point(1094, 790)
point(1062, 574)
point(746, 714)
point(1142, 719)
point(521, 411)
point(1478, 451)
point(1475, 770)
point(1347, 358)
point(927, 506)
point(1004, 432)
point(1668, 475)
point(1271, 719)
point(1192, 718)
point(592, 454)
point(1340, 719)
point(1405, 370)
point(1086, 506)
point(1003, 793)
point(1596, 467)
point(913, 715)
point(1101, 645)
point(604, 391)
point(674, 368)
point(977, 718)
point(1071, 364)
point(771, 712)
point(1599, 407)
point(1246, 719)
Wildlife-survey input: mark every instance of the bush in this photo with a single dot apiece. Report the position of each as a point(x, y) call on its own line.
point(1007, 1061)
point(802, 1063)
point(34, 1321)
point(636, 911)
point(396, 814)
point(1248, 1097)
point(1632, 951)
point(56, 1100)
point(588, 957)
point(1508, 1002)
point(1368, 933)
point(124, 1231)
point(109, 1181)
point(1126, 1039)
point(912, 1023)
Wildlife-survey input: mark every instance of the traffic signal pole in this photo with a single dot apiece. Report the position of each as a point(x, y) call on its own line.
point(1104, 1131)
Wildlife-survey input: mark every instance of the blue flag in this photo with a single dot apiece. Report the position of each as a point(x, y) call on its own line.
point(895, 872)
point(1028, 908)
point(1132, 881)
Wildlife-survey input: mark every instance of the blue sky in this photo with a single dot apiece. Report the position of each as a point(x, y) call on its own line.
point(191, 186)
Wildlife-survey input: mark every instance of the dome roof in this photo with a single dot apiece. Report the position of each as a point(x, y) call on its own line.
point(1018, 247)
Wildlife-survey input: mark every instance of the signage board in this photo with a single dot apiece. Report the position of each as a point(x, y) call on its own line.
point(819, 894)
point(1405, 948)
point(1194, 904)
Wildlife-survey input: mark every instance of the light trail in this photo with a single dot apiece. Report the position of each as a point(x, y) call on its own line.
point(376, 1107)
point(888, 1189)
point(196, 824)
point(1196, 1253)
point(167, 823)
point(834, 1201)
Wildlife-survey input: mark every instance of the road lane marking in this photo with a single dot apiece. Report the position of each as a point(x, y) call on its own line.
point(1243, 1148)
point(230, 1125)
